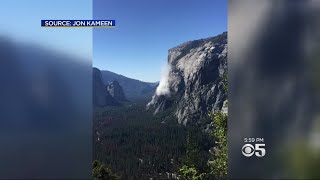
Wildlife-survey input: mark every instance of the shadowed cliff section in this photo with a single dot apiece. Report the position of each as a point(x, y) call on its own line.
point(101, 94)
point(116, 91)
point(133, 89)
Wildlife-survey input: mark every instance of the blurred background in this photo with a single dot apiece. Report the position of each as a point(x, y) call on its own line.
point(45, 94)
point(274, 63)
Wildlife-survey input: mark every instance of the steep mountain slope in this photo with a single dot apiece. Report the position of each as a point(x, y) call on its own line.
point(116, 91)
point(101, 96)
point(133, 89)
point(194, 85)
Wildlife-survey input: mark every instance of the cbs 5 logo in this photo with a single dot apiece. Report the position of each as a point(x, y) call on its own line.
point(248, 150)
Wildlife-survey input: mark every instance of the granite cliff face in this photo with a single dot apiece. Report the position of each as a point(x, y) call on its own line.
point(116, 91)
point(101, 96)
point(194, 83)
point(134, 90)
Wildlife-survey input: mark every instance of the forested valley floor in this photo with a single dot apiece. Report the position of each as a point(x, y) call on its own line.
point(134, 144)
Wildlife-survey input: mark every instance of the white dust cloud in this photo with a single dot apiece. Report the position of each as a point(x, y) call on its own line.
point(163, 88)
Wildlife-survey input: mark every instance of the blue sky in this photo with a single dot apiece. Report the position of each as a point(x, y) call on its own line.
point(146, 29)
point(20, 20)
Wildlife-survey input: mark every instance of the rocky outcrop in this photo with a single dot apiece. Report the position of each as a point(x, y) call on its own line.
point(116, 91)
point(101, 96)
point(194, 83)
point(134, 90)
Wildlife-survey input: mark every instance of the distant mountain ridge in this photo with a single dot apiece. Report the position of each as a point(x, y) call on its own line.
point(134, 90)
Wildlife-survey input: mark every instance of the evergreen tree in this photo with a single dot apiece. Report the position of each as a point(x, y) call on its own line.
point(192, 150)
point(191, 173)
point(101, 172)
point(218, 165)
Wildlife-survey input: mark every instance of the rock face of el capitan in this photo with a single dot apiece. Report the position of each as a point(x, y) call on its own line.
point(195, 83)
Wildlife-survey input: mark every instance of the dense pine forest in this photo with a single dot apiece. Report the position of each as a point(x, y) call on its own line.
point(134, 144)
